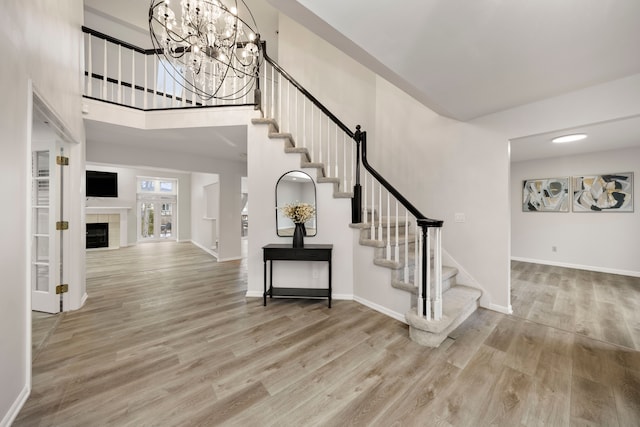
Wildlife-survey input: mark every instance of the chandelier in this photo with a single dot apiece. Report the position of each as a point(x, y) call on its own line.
point(206, 46)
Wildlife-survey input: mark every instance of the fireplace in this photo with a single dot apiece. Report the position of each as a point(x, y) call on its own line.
point(98, 235)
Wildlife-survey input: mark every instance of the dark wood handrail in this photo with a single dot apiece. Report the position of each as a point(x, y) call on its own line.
point(309, 96)
point(422, 220)
point(114, 40)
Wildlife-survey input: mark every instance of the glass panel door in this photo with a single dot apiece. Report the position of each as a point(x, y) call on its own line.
point(166, 220)
point(156, 218)
point(147, 220)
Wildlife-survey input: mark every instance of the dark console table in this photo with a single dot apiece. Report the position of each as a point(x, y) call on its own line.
point(284, 252)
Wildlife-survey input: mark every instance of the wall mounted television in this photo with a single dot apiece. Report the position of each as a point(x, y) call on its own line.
point(102, 184)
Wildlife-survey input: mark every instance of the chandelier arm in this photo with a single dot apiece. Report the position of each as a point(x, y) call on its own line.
point(212, 44)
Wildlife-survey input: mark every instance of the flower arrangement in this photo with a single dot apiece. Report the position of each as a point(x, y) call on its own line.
point(298, 212)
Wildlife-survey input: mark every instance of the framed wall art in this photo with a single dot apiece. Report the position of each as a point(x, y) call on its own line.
point(546, 195)
point(603, 193)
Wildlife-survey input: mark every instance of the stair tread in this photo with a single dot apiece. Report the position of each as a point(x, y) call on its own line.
point(391, 221)
point(312, 165)
point(455, 301)
point(343, 195)
point(447, 273)
point(301, 150)
point(329, 179)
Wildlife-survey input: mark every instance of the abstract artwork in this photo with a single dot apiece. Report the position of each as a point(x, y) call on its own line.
point(545, 195)
point(603, 193)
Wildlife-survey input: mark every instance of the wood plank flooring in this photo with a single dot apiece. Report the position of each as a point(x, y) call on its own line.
point(167, 338)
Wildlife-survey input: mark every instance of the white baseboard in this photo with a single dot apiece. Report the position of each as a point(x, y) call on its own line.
point(499, 308)
point(204, 248)
point(83, 299)
point(229, 259)
point(253, 294)
point(13, 412)
point(579, 266)
point(380, 309)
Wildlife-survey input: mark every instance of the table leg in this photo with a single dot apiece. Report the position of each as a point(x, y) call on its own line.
point(264, 285)
point(329, 283)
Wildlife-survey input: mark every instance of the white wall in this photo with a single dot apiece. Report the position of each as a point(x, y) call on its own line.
point(334, 216)
point(593, 241)
point(41, 41)
point(204, 210)
point(127, 194)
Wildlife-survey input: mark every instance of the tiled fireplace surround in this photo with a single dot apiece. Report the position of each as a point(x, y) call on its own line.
point(116, 217)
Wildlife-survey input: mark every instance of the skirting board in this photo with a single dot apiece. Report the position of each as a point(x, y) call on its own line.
point(579, 266)
point(13, 412)
point(380, 309)
point(500, 308)
point(207, 250)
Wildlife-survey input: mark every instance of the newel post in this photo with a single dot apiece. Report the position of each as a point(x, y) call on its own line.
point(356, 201)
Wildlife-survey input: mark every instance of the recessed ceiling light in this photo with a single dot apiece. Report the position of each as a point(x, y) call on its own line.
point(569, 138)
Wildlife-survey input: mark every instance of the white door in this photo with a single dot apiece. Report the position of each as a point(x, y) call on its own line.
point(156, 218)
point(49, 240)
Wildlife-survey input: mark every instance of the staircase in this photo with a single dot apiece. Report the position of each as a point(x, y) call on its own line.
point(458, 301)
point(401, 237)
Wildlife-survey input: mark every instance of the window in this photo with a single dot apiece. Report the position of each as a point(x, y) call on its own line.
point(162, 186)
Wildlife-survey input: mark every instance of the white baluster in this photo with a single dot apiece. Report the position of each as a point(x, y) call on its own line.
point(294, 128)
point(373, 205)
point(119, 74)
point(328, 166)
point(104, 74)
point(320, 141)
point(364, 199)
point(133, 79)
point(344, 162)
point(90, 65)
point(380, 211)
point(388, 229)
point(337, 172)
point(437, 303)
point(146, 83)
point(427, 258)
point(406, 245)
point(417, 277)
point(280, 102)
point(304, 121)
point(312, 153)
point(154, 87)
point(273, 93)
point(397, 245)
point(352, 181)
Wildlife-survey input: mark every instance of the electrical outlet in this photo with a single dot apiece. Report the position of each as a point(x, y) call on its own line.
point(315, 273)
point(554, 249)
point(459, 217)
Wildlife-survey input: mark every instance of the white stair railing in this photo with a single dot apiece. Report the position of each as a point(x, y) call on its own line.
point(118, 72)
point(296, 112)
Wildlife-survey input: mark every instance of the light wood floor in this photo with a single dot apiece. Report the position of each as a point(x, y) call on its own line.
point(167, 338)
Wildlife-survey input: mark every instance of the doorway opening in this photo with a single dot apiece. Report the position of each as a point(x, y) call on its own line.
point(156, 211)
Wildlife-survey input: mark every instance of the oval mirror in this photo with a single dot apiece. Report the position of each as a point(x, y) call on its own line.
point(295, 187)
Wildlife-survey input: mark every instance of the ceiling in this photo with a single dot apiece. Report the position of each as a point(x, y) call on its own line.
point(462, 58)
point(469, 58)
